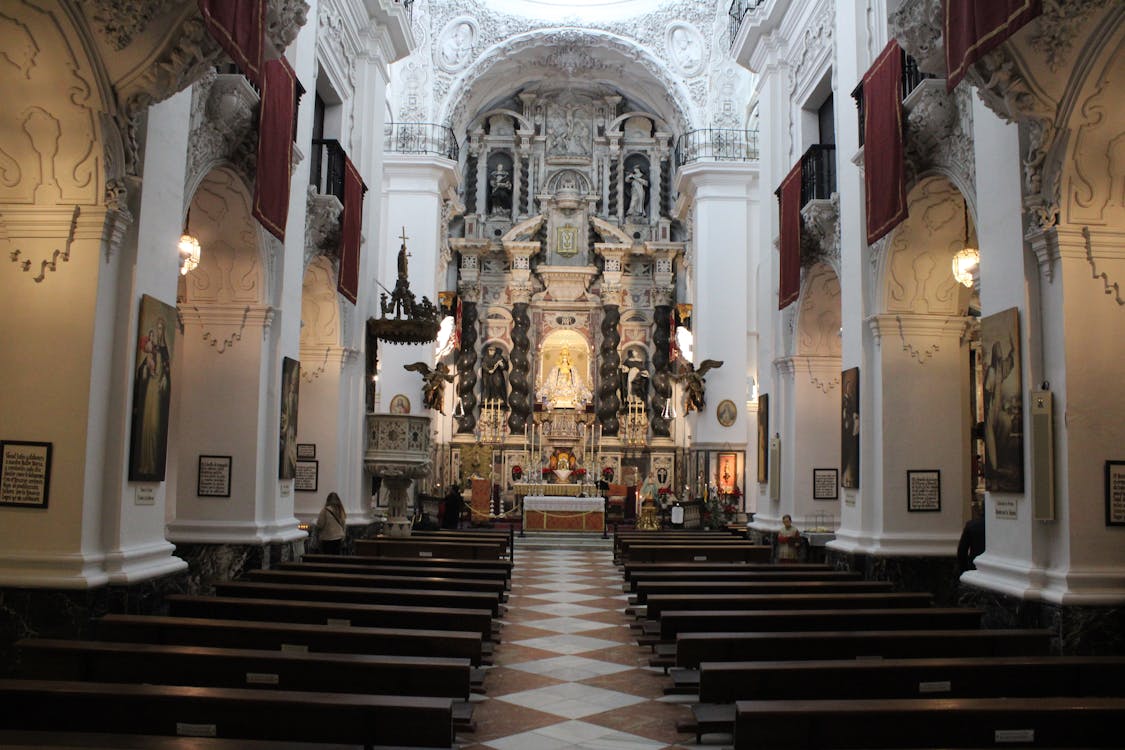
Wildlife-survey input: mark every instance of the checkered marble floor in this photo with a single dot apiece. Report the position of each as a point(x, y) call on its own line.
point(568, 674)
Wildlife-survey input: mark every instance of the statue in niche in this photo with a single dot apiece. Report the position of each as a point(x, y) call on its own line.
point(634, 378)
point(563, 387)
point(500, 188)
point(494, 385)
point(637, 184)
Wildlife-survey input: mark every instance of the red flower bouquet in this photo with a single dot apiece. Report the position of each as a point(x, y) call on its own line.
point(579, 472)
point(517, 471)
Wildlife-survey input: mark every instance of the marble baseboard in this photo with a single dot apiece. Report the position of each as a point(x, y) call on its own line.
point(208, 563)
point(937, 575)
point(1079, 630)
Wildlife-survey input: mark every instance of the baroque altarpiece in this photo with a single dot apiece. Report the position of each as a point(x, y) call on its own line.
point(567, 276)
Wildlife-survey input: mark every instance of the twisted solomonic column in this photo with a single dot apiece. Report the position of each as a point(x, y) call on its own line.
point(519, 397)
point(661, 370)
point(609, 370)
point(467, 369)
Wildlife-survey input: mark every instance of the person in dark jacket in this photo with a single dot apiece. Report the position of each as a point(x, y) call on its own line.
point(972, 541)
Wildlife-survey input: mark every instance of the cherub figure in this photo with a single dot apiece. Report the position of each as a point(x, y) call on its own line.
point(694, 383)
point(434, 380)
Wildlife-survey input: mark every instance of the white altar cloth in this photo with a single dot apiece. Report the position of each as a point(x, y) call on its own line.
point(555, 502)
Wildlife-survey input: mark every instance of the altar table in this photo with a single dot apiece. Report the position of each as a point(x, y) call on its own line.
point(554, 513)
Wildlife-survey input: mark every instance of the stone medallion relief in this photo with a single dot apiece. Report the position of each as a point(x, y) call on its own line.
point(685, 48)
point(455, 44)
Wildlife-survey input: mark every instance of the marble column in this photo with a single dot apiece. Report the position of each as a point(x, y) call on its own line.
point(661, 368)
point(467, 369)
point(609, 363)
point(519, 397)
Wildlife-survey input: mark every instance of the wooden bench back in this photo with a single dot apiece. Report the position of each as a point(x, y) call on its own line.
point(420, 597)
point(360, 579)
point(396, 571)
point(673, 624)
point(429, 549)
point(411, 562)
point(773, 586)
point(659, 604)
point(740, 551)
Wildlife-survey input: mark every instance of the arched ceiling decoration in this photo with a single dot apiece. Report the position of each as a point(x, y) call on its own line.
point(586, 56)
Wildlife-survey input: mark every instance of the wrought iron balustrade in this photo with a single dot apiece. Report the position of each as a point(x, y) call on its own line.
point(717, 144)
point(912, 77)
point(420, 138)
point(737, 12)
point(818, 173)
point(327, 172)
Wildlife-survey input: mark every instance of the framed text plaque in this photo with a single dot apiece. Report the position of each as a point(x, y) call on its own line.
point(923, 491)
point(308, 472)
point(25, 473)
point(825, 484)
point(213, 479)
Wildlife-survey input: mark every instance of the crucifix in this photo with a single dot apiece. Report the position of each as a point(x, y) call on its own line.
point(402, 256)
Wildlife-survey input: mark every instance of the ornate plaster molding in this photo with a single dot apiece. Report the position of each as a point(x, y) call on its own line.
point(920, 336)
point(237, 317)
point(917, 27)
point(821, 239)
point(940, 136)
point(322, 225)
point(222, 127)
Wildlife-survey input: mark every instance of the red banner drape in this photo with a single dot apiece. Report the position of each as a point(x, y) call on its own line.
point(884, 167)
point(239, 26)
point(348, 283)
point(275, 146)
point(973, 28)
point(789, 200)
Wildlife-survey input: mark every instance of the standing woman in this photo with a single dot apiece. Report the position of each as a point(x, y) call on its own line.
point(332, 525)
point(788, 541)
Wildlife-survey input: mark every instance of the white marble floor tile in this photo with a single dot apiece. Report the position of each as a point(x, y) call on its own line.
point(567, 644)
point(564, 597)
point(565, 586)
point(563, 609)
point(572, 700)
point(565, 624)
point(571, 668)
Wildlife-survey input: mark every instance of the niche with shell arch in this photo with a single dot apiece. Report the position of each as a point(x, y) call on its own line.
point(230, 269)
point(916, 267)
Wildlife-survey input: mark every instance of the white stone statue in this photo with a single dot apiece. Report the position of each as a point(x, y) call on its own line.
point(637, 185)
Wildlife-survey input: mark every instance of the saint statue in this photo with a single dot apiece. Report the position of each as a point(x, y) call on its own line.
point(433, 383)
point(637, 185)
point(494, 385)
point(500, 188)
point(563, 387)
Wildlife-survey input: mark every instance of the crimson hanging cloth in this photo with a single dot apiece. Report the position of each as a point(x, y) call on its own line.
point(348, 283)
point(972, 29)
point(239, 26)
point(275, 146)
point(884, 169)
point(789, 200)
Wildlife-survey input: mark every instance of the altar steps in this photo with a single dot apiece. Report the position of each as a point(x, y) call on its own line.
point(574, 540)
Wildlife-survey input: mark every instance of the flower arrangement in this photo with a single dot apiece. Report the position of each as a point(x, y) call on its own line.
point(517, 471)
point(607, 473)
point(580, 472)
point(664, 491)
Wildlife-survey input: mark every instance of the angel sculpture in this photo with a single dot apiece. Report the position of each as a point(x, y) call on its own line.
point(434, 380)
point(694, 382)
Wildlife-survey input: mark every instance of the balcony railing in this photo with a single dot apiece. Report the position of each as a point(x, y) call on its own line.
point(738, 11)
point(717, 144)
point(327, 173)
point(818, 173)
point(420, 138)
point(912, 77)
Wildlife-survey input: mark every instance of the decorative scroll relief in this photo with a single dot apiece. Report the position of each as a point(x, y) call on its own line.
point(49, 149)
point(322, 225)
point(320, 306)
point(940, 134)
point(1099, 265)
point(917, 27)
point(813, 55)
point(685, 48)
point(818, 321)
point(39, 239)
point(918, 275)
point(221, 325)
point(223, 129)
point(821, 238)
point(1095, 188)
point(920, 336)
point(230, 269)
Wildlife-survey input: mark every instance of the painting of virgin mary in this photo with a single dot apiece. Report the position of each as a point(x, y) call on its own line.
point(152, 391)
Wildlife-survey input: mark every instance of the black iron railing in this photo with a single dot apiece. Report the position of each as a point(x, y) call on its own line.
point(818, 173)
point(420, 138)
point(912, 77)
point(327, 172)
point(738, 11)
point(717, 144)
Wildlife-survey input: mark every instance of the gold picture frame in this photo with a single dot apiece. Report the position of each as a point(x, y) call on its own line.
point(726, 412)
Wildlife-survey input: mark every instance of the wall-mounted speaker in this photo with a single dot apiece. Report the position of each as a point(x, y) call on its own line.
point(1042, 457)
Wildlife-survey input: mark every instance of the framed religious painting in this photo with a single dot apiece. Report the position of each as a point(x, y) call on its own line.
point(290, 380)
point(763, 438)
point(727, 473)
point(849, 429)
point(400, 404)
point(152, 390)
point(726, 412)
point(1002, 392)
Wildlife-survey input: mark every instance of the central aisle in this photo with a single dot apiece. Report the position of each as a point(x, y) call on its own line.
point(567, 673)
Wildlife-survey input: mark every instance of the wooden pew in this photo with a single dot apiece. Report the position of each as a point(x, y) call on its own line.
point(673, 624)
point(727, 682)
point(478, 574)
point(226, 712)
point(783, 586)
point(629, 570)
point(412, 562)
point(693, 648)
point(419, 597)
point(288, 636)
point(659, 604)
point(425, 548)
point(332, 613)
point(748, 572)
point(310, 577)
point(109, 661)
point(1056, 722)
point(738, 552)
point(50, 740)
